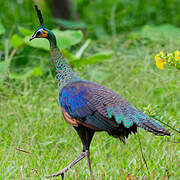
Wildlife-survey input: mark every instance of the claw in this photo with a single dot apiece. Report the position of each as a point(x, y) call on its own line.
point(56, 174)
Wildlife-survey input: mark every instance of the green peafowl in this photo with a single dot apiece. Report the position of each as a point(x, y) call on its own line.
point(90, 107)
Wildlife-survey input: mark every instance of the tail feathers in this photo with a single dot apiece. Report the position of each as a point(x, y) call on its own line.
point(145, 122)
point(129, 116)
point(154, 127)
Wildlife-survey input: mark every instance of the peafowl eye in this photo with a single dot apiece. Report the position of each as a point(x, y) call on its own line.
point(38, 33)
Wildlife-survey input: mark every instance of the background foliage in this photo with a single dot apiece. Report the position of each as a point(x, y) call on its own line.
point(110, 42)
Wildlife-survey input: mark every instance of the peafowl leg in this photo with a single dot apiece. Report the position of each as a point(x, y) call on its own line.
point(89, 163)
point(86, 135)
point(67, 168)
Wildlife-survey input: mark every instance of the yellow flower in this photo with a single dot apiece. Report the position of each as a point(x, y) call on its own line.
point(170, 56)
point(177, 55)
point(172, 59)
point(159, 61)
point(161, 54)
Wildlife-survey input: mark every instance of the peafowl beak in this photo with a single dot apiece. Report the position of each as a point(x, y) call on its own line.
point(33, 37)
point(37, 34)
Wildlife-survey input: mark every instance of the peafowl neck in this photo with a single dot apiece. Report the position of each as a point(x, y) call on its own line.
point(64, 72)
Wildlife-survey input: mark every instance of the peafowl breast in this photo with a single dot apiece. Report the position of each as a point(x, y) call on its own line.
point(90, 107)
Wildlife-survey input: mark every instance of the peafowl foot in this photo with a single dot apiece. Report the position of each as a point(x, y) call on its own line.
point(67, 168)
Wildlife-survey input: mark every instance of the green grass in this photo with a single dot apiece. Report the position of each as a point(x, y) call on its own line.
point(30, 118)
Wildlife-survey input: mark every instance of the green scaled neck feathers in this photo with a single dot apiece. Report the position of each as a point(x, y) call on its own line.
point(64, 72)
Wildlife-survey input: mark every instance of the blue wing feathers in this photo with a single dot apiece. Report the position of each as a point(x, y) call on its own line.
point(98, 106)
point(72, 101)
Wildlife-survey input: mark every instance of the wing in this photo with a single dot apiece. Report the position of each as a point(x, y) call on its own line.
point(94, 105)
point(83, 104)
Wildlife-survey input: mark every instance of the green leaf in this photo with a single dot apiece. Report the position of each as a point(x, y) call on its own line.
point(98, 57)
point(4, 65)
point(24, 31)
point(36, 72)
point(37, 43)
point(2, 29)
point(16, 41)
point(92, 59)
point(65, 39)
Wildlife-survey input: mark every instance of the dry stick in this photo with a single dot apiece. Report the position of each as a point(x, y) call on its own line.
point(22, 150)
point(143, 155)
point(6, 49)
point(12, 54)
point(10, 59)
point(173, 142)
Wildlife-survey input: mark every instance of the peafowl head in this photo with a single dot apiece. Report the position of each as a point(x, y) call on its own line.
point(42, 32)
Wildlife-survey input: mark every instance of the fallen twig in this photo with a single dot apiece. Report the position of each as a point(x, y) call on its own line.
point(143, 155)
point(22, 150)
